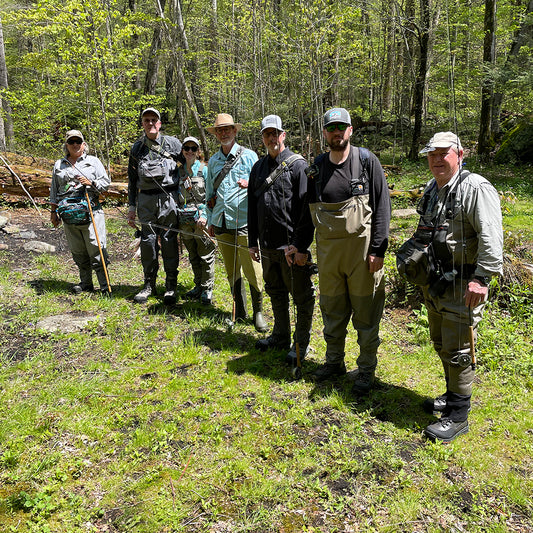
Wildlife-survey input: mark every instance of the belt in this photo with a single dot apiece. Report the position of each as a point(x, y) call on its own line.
point(162, 190)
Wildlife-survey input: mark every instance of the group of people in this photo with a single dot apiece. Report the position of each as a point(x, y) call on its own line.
point(264, 213)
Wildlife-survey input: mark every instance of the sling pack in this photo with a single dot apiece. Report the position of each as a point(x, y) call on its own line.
point(357, 183)
point(276, 173)
point(228, 165)
point(75, 210)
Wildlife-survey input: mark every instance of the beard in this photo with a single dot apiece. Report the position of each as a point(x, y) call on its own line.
point(338, 145)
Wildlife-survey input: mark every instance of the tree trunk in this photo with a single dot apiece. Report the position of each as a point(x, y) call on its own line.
point(485, 141)
point(152, 65)
point(420, 82)
point(6, 126)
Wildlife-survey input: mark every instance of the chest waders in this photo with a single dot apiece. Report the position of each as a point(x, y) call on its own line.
point(347, 288)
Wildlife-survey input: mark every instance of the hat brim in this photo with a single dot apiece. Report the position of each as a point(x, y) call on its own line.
point(213, 129)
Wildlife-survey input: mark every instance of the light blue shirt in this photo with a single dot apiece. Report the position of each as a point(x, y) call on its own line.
point(232, 201)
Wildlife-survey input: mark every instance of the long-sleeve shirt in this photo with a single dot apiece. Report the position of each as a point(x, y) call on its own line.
point(231, 208)
point(65, 183)
point(470, 209)
point(147, 169)
point(274, 216)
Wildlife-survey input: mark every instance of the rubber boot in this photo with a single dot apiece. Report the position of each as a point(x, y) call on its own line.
point(102, 281)
point(257, 304)
point(239, 295)
point(171, 284)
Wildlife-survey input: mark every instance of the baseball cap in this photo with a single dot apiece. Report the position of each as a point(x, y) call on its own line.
point(151, 110)
point(443, 139)
point(271, 121)
point(74, 133)
point(192, 140)
point(337, 114)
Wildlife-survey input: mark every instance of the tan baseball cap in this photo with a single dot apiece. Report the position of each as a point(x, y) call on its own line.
point(443, 139)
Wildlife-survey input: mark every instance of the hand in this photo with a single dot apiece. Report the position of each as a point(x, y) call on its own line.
point(211, 230)
point(301, 258)
point(242, 183)
point(131, 219)
point(290, 251)
point(201, 223)
point(85, 181)
point(254, 254)
point(54, 219)
point(475, 293)
point(375, 264)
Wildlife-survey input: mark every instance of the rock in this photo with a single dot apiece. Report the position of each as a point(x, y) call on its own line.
point(66, 323)
point(39, 247)
point(11, 229)
point(4, 246)
point(404, 213)
point(517, 144)
point(27, 234)
point(4, 221)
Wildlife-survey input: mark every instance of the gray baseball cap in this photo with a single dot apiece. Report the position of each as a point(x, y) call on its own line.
point(151, 110)
point(443, 139)
point(271, 121)
point(337, 115)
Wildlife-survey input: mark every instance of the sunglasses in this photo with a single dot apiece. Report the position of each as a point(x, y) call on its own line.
point(332, 127)
point(190, 148)
point(74, 141)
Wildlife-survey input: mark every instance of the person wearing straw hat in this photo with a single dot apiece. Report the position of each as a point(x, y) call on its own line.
point(193, 221)
point(276, 193)
point(153, 188)
point(462, 212)
point(228, 172)
point(75, 177)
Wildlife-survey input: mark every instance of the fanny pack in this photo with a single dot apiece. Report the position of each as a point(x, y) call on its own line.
point(188, 214)
point(415, 261)
point(75, 211)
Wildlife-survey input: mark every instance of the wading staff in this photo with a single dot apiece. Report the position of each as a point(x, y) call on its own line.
point(471, 336)
point(14, 174)
point(97, 239)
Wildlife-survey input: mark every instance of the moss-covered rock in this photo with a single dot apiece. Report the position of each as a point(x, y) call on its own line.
point(517, 145)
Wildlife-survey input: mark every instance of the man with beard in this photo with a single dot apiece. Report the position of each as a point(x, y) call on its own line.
point(228, 172)
point(350, 206)
point(276, 192)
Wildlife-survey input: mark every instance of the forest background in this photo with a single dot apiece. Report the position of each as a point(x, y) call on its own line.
point(403, 68)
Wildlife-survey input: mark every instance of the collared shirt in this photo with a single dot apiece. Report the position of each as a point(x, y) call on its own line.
point(231, 208)
point(274, 216)
point(147, 166)
point(66, 185)
point(470, 208)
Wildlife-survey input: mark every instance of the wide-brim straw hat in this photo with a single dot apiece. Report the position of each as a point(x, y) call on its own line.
point(223, 119)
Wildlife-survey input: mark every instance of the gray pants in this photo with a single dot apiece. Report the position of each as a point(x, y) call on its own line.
point(84, 248)
point(160, 210)
point(201, 256)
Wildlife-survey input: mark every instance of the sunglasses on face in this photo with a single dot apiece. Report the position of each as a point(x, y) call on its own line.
point(74, 141)
point(332, 127)
point(190, 148)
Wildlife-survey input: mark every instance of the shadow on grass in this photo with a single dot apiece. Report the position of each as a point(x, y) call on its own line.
point(59, 287)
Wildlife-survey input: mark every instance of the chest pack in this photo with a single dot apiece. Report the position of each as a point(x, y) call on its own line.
point(358, 183)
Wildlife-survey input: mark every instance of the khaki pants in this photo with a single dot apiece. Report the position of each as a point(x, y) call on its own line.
point(237, 258)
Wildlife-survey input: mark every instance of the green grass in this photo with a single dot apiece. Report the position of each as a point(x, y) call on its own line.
point(156, 420)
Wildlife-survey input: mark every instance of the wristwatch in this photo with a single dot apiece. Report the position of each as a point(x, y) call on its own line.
point(483, 280)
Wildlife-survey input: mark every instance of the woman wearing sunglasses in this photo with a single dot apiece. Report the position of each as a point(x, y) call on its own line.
point(193, 221)
point(76, 177)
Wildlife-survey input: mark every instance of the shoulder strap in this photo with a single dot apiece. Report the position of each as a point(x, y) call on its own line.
point(228, 165)
point(158, 149)
point(276, 173)
point(317, 178)
point(199, 172)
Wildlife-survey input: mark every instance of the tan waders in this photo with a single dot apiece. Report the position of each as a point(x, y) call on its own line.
point(347, 288)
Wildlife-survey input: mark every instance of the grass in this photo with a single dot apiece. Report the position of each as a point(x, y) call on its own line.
point(156, 420)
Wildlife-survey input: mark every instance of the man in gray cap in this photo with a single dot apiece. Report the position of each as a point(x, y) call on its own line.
point(350, 206)
point(276, 192)
point(460, 215)
point(153, 187)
